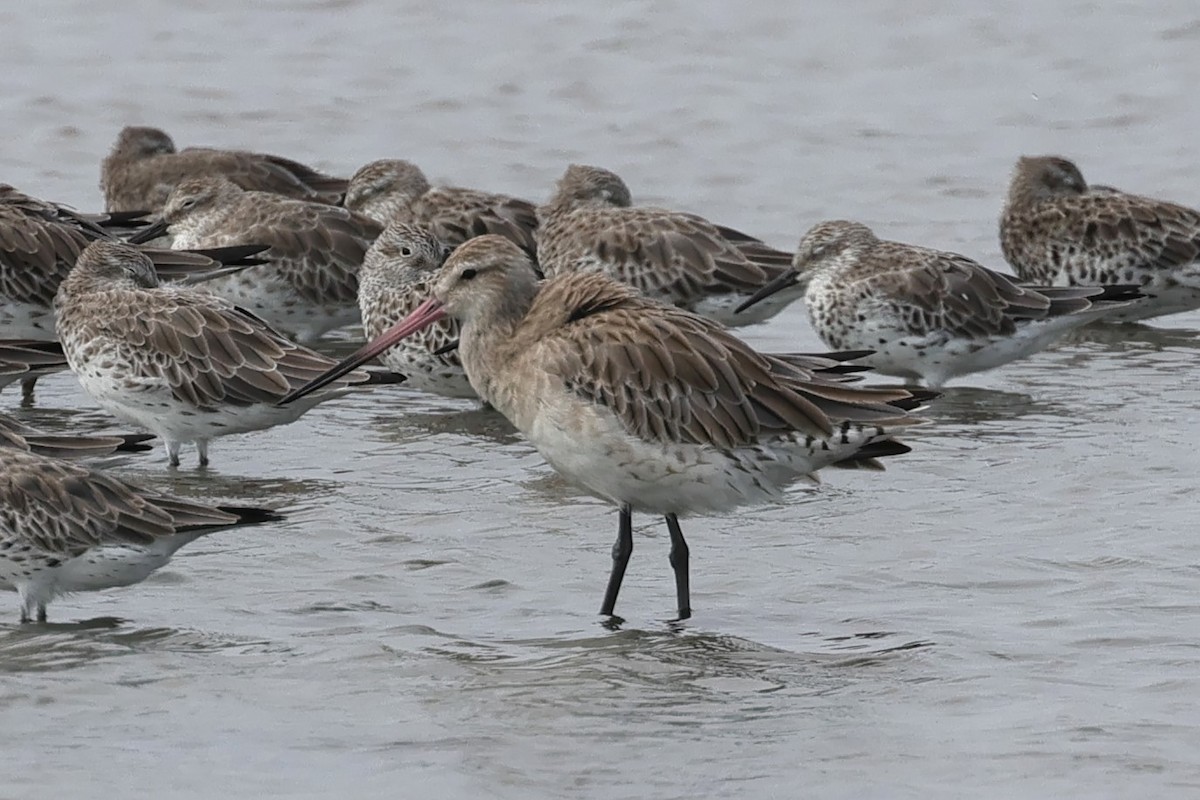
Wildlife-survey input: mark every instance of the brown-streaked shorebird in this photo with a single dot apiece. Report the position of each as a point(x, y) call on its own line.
point(144, 166)
point(644, 405)
point(394, 190)
point(39, 242)
point(1057, 229)
point(309, 283)
point(930, 315)
point(397, 276)
point(65, 527)
point(182, 363)
point(680, 259)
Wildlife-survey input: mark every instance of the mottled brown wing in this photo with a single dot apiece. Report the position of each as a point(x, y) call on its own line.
point(63, 508)
point(455, 215)
point(318, 248)
point(1163, 235)
point(265, 173)
point(671, 376)
point(676, 257)
point(36, 253)
point(210, 352)
point(950, 292)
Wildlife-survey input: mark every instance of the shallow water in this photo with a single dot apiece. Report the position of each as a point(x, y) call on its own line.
point(1010, 611)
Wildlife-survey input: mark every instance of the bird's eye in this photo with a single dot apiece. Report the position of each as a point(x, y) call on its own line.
point(406, 251)
point(191, 201)
point(467, 274)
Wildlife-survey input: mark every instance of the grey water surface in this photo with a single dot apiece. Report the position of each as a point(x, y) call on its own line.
point(1010, 611)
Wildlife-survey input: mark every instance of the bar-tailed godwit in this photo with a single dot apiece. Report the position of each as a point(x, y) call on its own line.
point(644, 405)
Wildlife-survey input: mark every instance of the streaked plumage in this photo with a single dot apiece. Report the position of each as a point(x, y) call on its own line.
point(676, 258)
point(646, 406)
point(67, 528)
point(72, 445)
point(144, 166)
point(1056, 229)
point(39, 242)
point(187, 365)
point(309, 285)
point(394, 190)
point(397, 275)
point(931, 315)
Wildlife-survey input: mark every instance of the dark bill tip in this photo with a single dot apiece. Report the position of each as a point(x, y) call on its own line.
point(783, 281)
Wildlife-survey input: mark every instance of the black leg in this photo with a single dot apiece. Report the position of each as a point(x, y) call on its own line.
point(621, 552)
point(679, 563)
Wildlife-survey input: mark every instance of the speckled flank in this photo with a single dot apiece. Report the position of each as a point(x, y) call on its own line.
point(397, 275)
point(1056, 229)
point(675, 258)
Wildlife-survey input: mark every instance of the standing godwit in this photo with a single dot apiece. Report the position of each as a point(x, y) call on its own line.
point(929, 315)
point(390, 190)
point(67, 528)
point(676, 258)
point(397, 276)
point(646, 406)
point(144, 167)
point(184, 364)
point(309, 285)
point(1056, 229)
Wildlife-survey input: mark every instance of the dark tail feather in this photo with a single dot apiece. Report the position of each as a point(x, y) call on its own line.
point(919, 399)
point(248, 515)
point(868, 455)
point(134, 442)
point(382, 377)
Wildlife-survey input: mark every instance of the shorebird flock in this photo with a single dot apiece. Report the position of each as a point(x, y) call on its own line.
point(189, 308)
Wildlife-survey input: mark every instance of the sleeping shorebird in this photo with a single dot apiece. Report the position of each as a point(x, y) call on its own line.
point(391, 190)
point(397, 276)
point(930, 315)
point(646, 406)
point(144, 167)
point(67, 528)
point(71, 445)
point(185, 364)
point(675, 258)
point(39, 242)
point(309, 285)
point(1056, 229)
